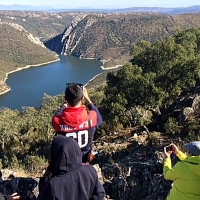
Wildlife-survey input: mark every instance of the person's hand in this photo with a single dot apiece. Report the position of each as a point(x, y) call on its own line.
point(13, 196)
point(85, 94)
point(175, 148)
point(167, 153)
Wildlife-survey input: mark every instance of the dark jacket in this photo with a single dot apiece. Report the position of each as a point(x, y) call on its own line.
point(71, 180)
point(74, 122)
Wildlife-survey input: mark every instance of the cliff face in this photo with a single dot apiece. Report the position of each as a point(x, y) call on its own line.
point(80, 38)
point(62, 43)
point(100, 36)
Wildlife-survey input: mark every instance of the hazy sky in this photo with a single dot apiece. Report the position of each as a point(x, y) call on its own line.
point(104, 3)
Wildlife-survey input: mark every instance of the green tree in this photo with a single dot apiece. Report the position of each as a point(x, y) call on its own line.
point(8, 126)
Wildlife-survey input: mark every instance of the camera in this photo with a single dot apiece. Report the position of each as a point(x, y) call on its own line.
point(169, 148)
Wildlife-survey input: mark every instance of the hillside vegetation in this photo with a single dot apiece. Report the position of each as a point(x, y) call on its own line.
point(105, 36)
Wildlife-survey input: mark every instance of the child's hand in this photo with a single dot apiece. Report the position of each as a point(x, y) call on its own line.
point(85, 94)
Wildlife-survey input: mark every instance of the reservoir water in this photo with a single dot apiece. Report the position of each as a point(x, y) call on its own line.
point(29, 85)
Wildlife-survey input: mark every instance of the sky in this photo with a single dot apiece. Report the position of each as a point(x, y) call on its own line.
point(104, 3)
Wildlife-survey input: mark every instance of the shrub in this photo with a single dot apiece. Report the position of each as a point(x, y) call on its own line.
point(191, 128)
point(14, 163)
point(115, 125)
point(139, 115)
point(171, 126)
point(154, 138)
point(34, 164)
point(100, 132)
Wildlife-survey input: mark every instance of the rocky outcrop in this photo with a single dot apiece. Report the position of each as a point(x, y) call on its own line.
point(194, 109)
point(134, 172)
point(68, 36)
point(130, 168)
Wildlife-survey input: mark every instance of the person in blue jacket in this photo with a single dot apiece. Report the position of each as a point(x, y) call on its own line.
point(70, 179)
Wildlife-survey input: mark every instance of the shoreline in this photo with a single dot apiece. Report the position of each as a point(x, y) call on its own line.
point(7, 90)
point(103, 68)
point(106, 68)
point(19, 69)
point(91, 79)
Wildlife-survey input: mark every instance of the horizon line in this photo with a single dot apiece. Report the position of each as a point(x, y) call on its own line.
point(62, 7)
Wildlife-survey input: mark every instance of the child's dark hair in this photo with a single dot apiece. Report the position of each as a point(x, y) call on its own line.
point(73, 94)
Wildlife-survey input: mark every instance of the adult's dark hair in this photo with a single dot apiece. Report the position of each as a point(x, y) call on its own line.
point(73, 94)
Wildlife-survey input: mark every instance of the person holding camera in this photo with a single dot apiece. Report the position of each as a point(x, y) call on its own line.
point(185, 174)
point(74, 120)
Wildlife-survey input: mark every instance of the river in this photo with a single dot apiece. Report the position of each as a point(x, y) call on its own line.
point(29, 85)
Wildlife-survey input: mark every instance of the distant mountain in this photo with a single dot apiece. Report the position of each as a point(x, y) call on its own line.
point(179, 10)
point(192, 9)
point(25, 7)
